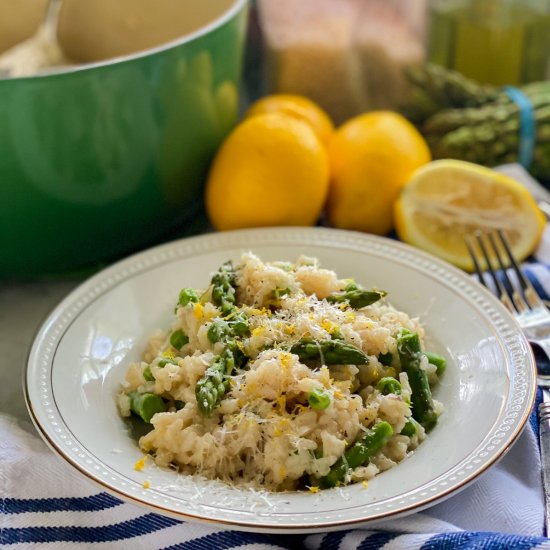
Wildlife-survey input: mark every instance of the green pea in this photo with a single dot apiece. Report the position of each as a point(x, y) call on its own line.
point(388, 385)
point(409, 429)
point(178, 339)
point(188, 295)
point(318, 399)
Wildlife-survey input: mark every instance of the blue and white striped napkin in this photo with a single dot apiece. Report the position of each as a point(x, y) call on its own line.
point(44, 503)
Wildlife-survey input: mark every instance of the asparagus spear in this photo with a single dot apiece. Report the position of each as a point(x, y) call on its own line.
point(435, 88)
point(222, 329)
point(463, 120)
point(147, 374)
point(357, 298)
point(358, 454)
point(217, 331)
point(488, 142)
point(410, 353)
point(331, 352)
point(211, 388)
point(145, 405)
point(223, 290)
point(437, 360)
point(442, 88)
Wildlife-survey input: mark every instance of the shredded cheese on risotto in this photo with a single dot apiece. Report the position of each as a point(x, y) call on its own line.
point(282, 376)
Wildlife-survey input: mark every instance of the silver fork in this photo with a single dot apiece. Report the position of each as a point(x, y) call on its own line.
point(522, 300)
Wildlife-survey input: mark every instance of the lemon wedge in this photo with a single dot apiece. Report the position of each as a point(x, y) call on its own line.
point(446, 200)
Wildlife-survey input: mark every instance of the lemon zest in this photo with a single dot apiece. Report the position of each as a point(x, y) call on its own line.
point(286, 360)
point(169, 354)
point(290, 329)
point(258, 331)
point(198, 310)
point(140, 464)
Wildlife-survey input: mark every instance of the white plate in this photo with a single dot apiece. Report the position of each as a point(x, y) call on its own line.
point(81, 352)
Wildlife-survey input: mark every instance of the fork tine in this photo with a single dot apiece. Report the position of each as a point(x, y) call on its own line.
point(502, 292)
point(473, 255)
point(531, 295)
point(513, 292)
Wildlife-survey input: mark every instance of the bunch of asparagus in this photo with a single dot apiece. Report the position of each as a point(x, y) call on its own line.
point(462, 119)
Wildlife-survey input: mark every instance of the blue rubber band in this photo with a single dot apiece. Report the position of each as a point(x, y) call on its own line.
point(527, 125)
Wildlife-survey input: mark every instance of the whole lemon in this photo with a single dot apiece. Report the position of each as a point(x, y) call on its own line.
point(298, 107)
point(271, 170)
point(371, 157)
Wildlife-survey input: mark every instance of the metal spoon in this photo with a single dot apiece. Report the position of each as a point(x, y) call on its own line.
point(40, 51)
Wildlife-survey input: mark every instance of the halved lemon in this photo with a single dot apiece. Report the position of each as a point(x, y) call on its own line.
point(446, 200)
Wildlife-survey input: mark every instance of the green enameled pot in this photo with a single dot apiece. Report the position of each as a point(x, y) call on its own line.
point(102, 159)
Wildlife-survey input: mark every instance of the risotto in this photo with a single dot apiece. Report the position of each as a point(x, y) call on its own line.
point(282, 376)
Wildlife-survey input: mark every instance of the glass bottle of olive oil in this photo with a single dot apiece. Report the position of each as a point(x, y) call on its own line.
point(493, 41)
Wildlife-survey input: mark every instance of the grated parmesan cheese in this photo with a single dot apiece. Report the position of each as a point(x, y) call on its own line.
point(264, 433)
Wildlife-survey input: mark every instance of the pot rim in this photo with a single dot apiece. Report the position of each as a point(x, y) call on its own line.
point(226, 16)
